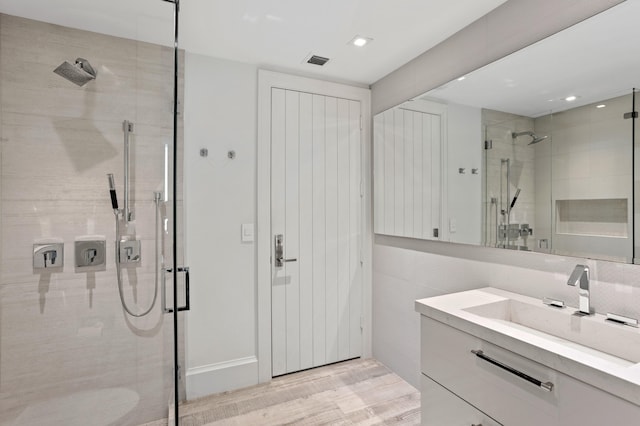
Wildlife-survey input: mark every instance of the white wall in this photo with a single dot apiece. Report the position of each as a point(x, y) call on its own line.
point(407, 269)
point(510, 27)
point(464, 193)
point(220, 115)
point(591, 160)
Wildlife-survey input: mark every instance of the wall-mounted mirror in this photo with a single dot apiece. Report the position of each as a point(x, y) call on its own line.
point(533, 152)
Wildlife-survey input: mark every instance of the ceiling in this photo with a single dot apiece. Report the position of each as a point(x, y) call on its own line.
point(278, 34)
point(594, 60)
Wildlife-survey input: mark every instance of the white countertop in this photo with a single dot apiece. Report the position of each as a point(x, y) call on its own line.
point(609, 373)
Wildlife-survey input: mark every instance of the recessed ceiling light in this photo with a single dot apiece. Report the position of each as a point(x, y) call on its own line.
point(600, 106)
point(570, 98)
point(462, 78)
point(360, 41)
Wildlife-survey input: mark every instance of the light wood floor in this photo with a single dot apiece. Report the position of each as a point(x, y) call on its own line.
point(358, 392)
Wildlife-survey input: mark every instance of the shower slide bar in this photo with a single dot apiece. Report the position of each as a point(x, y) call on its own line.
point(127, 128)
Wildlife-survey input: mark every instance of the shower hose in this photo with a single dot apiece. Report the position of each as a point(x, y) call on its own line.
point(119, 267)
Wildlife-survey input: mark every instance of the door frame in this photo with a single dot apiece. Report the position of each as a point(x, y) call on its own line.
point(266, 81)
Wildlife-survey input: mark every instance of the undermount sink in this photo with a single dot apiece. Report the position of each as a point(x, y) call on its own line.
point(603, 354)
point(588, 334)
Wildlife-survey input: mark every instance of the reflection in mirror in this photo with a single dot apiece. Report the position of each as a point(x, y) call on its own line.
point(407, 145)
point(561, 182)
point(535, 150)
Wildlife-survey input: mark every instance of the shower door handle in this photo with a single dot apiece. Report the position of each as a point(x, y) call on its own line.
point(279, 252)
point(187, 305)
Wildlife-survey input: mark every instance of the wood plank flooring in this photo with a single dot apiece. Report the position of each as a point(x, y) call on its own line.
point(357, 392)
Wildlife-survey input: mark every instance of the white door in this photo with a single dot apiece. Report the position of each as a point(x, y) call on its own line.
point(316, 208)
point(407, 171)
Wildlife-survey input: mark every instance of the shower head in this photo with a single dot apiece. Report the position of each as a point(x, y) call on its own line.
point(535, 139)
point(79, 73)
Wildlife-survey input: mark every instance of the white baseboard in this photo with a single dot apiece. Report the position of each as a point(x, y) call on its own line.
point(221, 377)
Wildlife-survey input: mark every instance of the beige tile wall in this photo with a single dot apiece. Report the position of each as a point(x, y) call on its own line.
point(590, 157)
point(499, 128)
point(68, 353)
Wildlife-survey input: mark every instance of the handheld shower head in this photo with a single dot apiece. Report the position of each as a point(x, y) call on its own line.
point(112, 192)
point(515, 198)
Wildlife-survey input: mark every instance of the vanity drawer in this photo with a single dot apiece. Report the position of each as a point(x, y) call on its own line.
point(441, 407)
point(446, 357)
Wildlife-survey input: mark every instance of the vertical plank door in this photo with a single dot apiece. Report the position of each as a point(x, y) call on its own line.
point(316, 206)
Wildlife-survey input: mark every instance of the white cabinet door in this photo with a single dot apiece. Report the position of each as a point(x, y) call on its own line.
point(316, 208)
point(441, 407)
point(447, 358)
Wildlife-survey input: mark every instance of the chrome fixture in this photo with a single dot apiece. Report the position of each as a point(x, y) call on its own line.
point(90, 253)
point(555, 303)
point(126, 212)
point(535, 139)
point(186, 306)
point(129, 251)
point(279, 252)
point(48, 256)
point(79, 73)
point(621, 319)
point(581, 274)
point(127, 128)
point(128, 248)
point(546, 386)
point(112, 193)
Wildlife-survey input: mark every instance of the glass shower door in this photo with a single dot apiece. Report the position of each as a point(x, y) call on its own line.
point(88, 196)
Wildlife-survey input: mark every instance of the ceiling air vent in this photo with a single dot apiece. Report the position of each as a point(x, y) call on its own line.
point(317, 60)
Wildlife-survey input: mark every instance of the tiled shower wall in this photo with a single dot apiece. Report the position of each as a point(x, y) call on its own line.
point(499, 127)
point(68, 352)
point(588, 158)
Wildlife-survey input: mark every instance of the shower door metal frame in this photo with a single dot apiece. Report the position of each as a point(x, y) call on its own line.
point(176, 308)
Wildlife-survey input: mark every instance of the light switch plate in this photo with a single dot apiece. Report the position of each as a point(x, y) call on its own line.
point(247, 233)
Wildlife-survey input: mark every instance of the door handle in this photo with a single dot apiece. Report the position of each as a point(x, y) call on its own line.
point(187, 306)
point(279, 252)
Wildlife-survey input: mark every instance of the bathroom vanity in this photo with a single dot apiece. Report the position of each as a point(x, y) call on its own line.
point(491, 357)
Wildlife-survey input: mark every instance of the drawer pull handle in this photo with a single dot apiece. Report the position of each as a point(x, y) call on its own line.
point(547, 386)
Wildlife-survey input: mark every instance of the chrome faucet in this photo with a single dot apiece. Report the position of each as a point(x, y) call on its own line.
point(581, 273)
